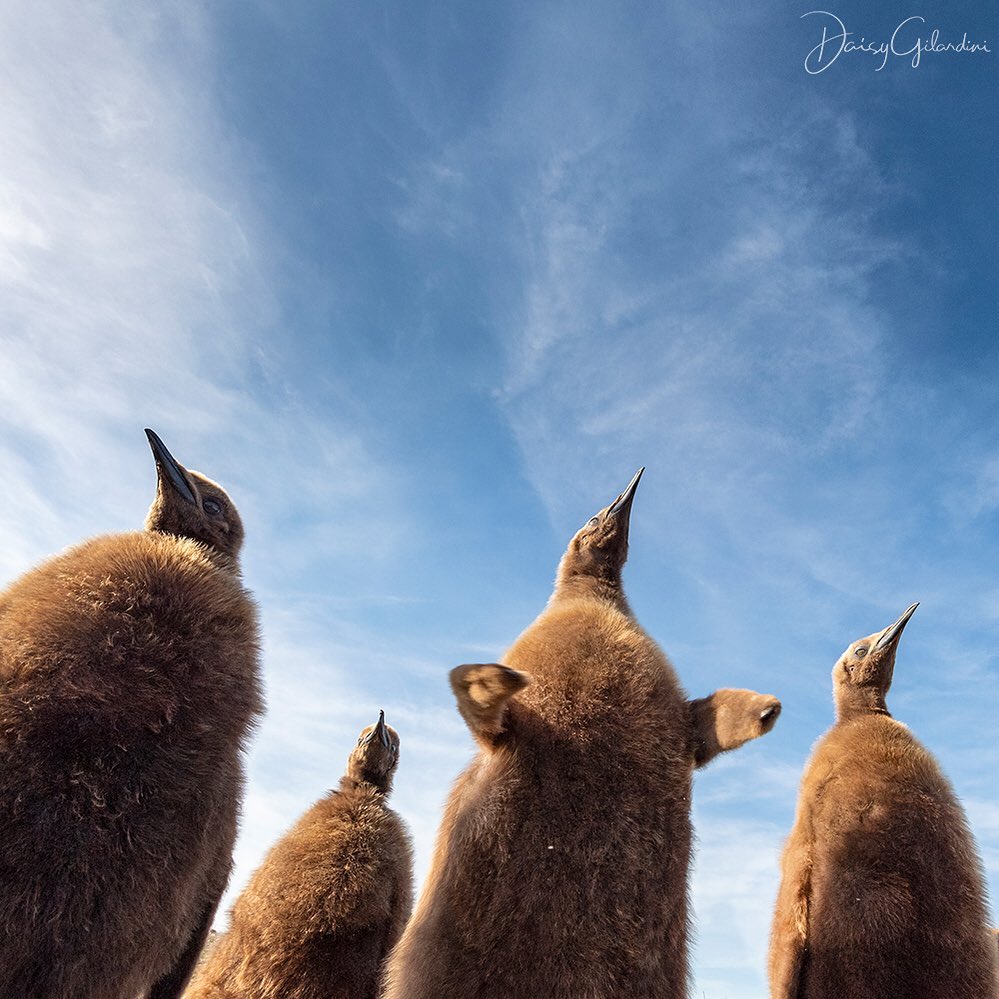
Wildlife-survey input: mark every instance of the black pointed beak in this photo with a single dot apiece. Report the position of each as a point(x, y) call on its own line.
point(890, 636)
point(621, 507)
point(382, 732)
point(168, 466)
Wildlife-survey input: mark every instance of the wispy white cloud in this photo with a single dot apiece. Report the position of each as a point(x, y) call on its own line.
point(136, 287)
point(734, 885)
point(743, 805)
point(127, 273)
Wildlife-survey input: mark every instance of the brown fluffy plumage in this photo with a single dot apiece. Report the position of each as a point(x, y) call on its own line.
point(882, 894)
point(331, 898)
point(561, 865)
point(128, 683)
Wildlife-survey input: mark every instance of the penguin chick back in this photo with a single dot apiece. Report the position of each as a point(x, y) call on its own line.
point(131, 632)
point(561, 864)
point(894, 894)
point(331, 898)
point(129, 681)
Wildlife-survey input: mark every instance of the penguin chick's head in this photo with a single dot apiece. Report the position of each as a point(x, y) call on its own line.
point(375, 756)
point(192, 506)
point(599, 549)
point(863, 674)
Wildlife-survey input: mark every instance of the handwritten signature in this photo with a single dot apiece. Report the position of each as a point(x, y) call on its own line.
point(836, 40)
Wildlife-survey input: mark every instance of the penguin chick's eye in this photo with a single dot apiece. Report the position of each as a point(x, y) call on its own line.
point(593, 521)
point(861, 652)
point(212, 507)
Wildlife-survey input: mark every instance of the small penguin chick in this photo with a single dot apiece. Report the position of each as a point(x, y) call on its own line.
point(862, 675)
point(729, 718)
point(593, 561)
point(190, 505)
point(329, 901)
point(882, 891)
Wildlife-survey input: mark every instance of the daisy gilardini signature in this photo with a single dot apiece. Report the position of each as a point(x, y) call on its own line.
point(907, 41)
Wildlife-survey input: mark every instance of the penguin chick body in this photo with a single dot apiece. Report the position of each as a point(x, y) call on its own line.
point(561, 864)
point(128, 684)
point(329, 901)
point(882, 894)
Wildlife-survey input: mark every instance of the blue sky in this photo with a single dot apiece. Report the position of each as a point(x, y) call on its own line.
point(423, 284)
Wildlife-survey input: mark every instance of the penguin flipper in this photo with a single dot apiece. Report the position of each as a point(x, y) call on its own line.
point(173, 983)
point(728, 718)
point(483, 692)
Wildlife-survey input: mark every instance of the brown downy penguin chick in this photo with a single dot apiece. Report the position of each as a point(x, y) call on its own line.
point(329, 901)
point(882, 894)
point(128, 685)
point(561, 864)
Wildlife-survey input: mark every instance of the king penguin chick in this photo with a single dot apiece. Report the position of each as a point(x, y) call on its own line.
point(128, 685)
point(561, 864)
point(329, 901)
point(882, 894)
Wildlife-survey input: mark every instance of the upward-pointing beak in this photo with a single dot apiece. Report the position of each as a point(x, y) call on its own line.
point(890, 636)
point(381, 731)
point(620, 509)
point(167, 465)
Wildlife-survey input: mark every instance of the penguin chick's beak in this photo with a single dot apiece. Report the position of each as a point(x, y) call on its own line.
point(621, 507)
point(891, 635)
point(380, 732)
point(167, 464)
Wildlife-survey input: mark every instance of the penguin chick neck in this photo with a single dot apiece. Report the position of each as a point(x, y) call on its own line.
point(190, 505)
point(863, 673)
point(592, 564)
point(374, 759)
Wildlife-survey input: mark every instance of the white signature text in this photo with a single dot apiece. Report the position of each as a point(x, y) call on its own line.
point(906, 41)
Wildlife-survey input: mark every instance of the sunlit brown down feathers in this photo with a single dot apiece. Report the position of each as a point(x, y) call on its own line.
point(560, 869)
point(882, 893)
point(128, 684)
point(330, 899)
